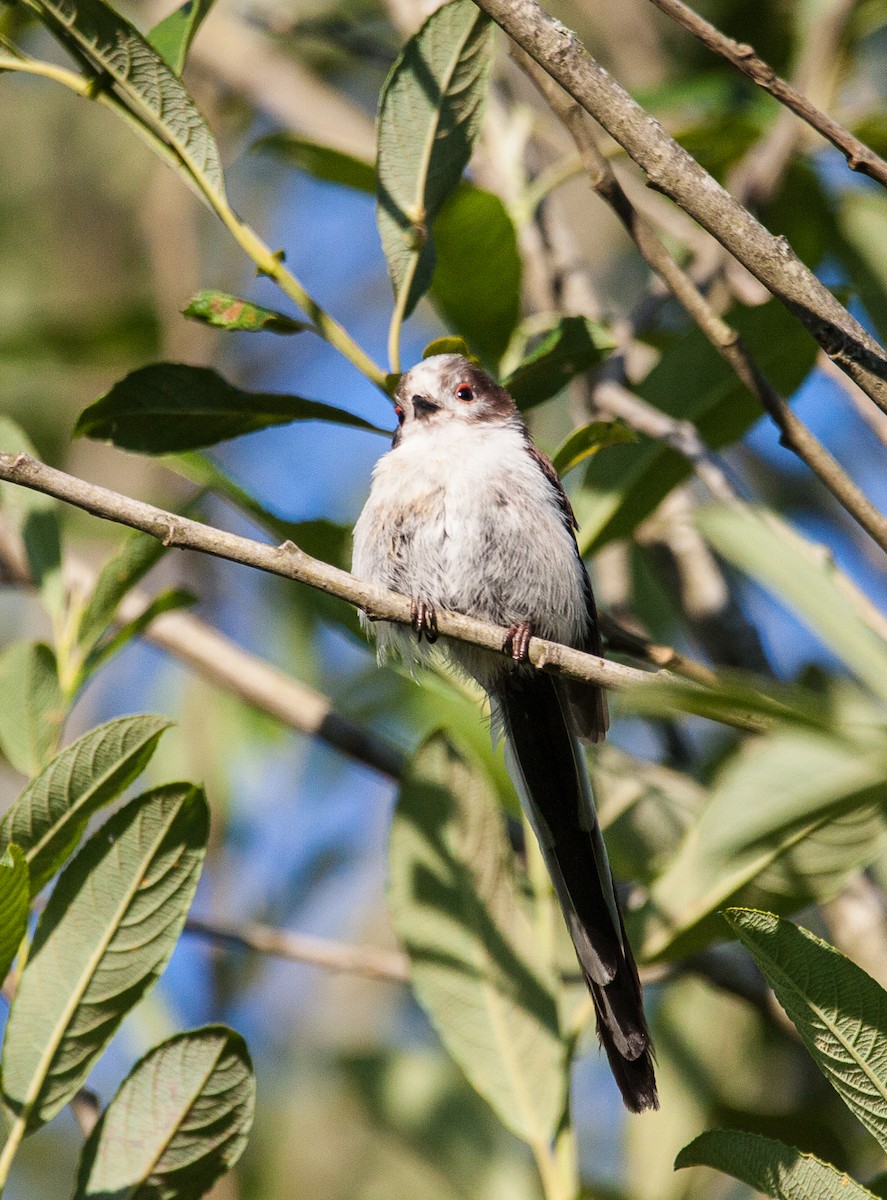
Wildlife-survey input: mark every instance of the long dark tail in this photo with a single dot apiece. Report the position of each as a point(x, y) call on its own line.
point(548, 768)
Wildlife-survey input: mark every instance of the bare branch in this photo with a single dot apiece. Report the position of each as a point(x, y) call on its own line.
point(671, 170)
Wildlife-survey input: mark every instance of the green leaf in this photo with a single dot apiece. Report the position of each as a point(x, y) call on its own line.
point(103, 939)
point(15, 898)
point(32, 708)
point(690, 382)
point(429, 116)
point(139, 553)
point(169, 407)
point(768, 799)
point(768, 551)
point(770, 1167)
point(456, 908)
point(35, 518)
point(230, 312)
point(447, 345)
point(573, 346)
point(477, 281)
point(172, 37)
point(150, 90)
point(584, 442)
point(862, 221)
point(165, 601)
point(49, 817)
point(839, 1010)
point(323, 162)
point(179, 1121)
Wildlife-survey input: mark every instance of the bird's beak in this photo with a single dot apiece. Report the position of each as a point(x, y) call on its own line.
point(423, 407)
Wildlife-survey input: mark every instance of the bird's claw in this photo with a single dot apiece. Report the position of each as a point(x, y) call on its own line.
point(516, 642)
point(423, 619)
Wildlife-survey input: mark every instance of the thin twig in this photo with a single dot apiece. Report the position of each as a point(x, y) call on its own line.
point(671, 170)
point(859, 156)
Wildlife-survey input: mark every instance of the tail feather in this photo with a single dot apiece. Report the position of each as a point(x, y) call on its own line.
point(548, 768)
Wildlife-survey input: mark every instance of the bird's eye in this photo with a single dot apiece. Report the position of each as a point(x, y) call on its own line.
point(398, 412)
point(464, 392)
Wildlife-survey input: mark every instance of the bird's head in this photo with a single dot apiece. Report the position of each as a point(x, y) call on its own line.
point(447, 388)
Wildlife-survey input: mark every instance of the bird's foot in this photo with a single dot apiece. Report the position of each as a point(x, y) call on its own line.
point(424, 620)
point(516, 642)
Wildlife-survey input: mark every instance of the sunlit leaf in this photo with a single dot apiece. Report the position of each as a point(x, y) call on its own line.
point(169, 407)
point(572, 347)
point(31, 705)
point(323, 162)
point(15, 899)
point(166, 601)
point(172, 37)
point(35, 517)
point(139, 553)
point(429, 115)
point(475, 968)
point(770, 1167)
point(447, 345)
point(103, 939)
point(178, 1122)
point(49, 817)
point(230, 312)
point(839, 1011)
point(584, 442)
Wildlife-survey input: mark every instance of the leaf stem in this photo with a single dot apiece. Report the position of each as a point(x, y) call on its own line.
point(554, 1184)
point(11, 1145)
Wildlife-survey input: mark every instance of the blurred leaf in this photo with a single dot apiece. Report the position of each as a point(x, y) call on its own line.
point(584, 442)
point(35, 517)
point(168, 407)
point(770, 1167)
point(862, 222)
point(32, 708)
point(769, 797)
point(477, 280)
point(323, 162)
point(179, 1121)
point(456, 907)
point(172, 37)
point(734, 696)
point(15, 899)
point(429, 115)
point(690, 382)
point(447, 345)
point(49, 817)
point(139, 553)
point(230, 312)
point(150, 90)
point(103, 939)
point(770, 553)
point(839, 1010)
point(165, 601)
point(719, 142)
point(571, 348)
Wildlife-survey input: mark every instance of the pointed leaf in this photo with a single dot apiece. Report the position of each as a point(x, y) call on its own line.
point(169, 407)
point(230, 312)
point(323, 162)
point(151, 91)
point(139, 553)
point(178, 1122)
point(584, 442)
point(35, 517)
point(839, 1011)
point(447, 345)
point(172, 37)
point(15, 899)
point(49, 817)
point(166, 601)
point(770, 1167)
point(104, 938)
point(429, 116)
point(31, 705)
point(572, 347)
point(456, 907)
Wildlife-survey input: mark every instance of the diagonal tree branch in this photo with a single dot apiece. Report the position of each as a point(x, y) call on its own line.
point(671, 170)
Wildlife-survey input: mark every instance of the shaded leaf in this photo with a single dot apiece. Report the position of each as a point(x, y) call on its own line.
point(572, 347)
point(839, 1011)
point(49, 817)
point(15, 899)
point(447, 345)
point(152, 92)
point(35, 517)
point(139, 553)
point(178, 1122)
point(103, 939)
point(169, 407)
point(475, 969)
point(862, 223)
point(323, 162)
point(172, 37)
point(584, 442)
point(770, 1167)
point(477, 280)
point(165, 601)
point(771, 554)
point(429, 115)
point(32, 708)
point(230, 312)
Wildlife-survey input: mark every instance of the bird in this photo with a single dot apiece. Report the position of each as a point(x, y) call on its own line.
point(466, 513)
